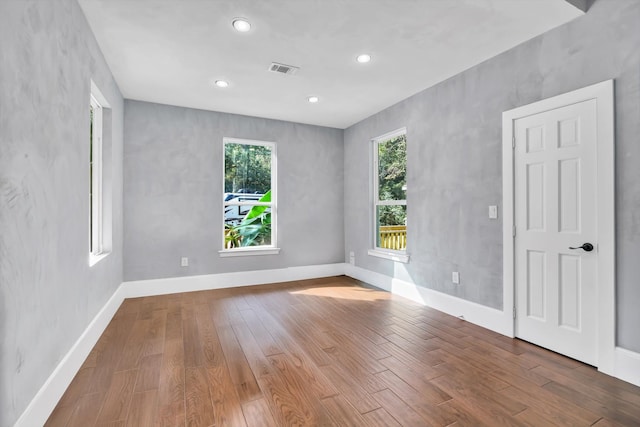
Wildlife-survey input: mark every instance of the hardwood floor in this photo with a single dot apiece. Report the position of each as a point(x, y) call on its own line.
point(325, 352)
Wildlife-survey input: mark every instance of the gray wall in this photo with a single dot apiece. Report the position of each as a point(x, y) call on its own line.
point(173, 191)
point(454, 150)
point(48, 292)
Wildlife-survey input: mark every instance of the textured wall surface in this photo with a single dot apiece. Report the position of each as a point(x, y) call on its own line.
point(454, 147)
point(172, 170)
point(48, 292)
point(173, 191)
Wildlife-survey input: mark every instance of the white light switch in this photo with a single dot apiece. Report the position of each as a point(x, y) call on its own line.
point(493, 212)
point(184, 261)
point(455, 277)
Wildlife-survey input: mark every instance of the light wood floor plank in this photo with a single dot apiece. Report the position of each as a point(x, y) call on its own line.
point(258, 414)
point(380, 418)
point(171, 397)
point(118, 398)
point(198, 407)
point(227, 410)
point(143, 407)
point(398, 409)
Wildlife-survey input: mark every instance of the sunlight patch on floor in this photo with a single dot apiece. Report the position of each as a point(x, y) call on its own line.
point(342, 292)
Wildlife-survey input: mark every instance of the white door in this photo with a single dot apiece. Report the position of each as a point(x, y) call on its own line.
point(556, 210)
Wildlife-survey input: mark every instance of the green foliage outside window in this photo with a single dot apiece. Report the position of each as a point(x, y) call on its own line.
point(253, 230)
point(248, 171)
point(247, 168)
point(392, 179)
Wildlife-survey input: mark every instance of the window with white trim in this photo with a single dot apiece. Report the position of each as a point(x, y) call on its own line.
point(100, 199)
point(389, 208)
point(96, 224)
point(249, 197)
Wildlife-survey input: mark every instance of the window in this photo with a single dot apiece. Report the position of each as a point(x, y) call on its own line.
point(249, 199)
point(99, 238)
point(390, 196)
point(95, 175)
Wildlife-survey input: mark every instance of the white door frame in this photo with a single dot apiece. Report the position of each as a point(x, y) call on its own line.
point(603, 94)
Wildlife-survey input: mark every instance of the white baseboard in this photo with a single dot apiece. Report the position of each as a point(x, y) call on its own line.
point(627, 366)
point(51, 392)
point(627, 363)
point(143, 288)
point(481, 315)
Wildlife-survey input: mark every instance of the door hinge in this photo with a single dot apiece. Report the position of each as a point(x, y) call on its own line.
point(513, 142)
point(514, 231)
point(514, 312)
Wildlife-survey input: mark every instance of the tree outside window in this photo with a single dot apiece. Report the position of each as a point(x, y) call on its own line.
point(390, 191)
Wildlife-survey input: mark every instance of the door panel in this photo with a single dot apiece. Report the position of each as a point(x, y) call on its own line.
point(569, 286)
point(535, 197)
point(536, 284)
point(569, 176)
point(555, 206)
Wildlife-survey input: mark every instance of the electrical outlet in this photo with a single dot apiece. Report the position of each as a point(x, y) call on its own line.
point(455, 277)
point(184, 262)
point(352, 258)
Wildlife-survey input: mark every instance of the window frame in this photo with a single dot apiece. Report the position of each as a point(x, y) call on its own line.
point(99, 227)
point(391, 254)
point(96, 196)
point(273, 248)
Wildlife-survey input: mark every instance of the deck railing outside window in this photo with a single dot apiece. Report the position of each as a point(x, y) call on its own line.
point(393, 237)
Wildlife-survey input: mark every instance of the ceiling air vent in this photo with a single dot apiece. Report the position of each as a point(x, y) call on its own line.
point(282, 68)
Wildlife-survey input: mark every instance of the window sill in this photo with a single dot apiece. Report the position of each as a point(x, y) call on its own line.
point(94, 259)
point(249, 252)
point(392, 255)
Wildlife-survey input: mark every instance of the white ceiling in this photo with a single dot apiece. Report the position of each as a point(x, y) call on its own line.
point(170, 52)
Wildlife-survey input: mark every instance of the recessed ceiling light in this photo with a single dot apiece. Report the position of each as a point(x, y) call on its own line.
point(313, 99)
point(241, 24)
point(222, 83)
point(364, 58)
